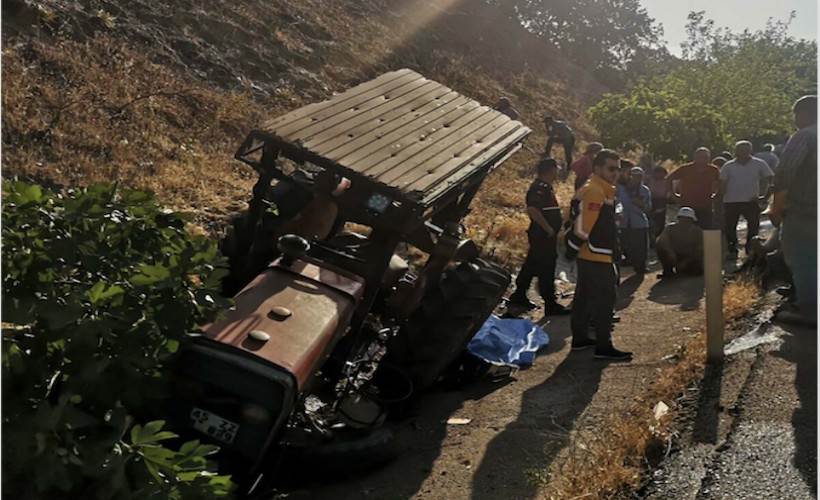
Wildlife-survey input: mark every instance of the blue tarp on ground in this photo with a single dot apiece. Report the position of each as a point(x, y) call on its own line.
point(508, 341)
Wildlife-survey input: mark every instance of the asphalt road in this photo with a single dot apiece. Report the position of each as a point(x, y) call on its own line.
point(754, 428)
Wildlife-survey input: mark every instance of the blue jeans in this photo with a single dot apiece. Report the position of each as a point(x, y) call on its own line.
point(798, 238)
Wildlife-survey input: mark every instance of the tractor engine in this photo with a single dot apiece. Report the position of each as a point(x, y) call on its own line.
point(237, 385)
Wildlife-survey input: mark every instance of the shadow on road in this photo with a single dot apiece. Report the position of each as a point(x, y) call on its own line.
point(800, 348)
point(627, 289)
point(705, 428)
point(684, 290)
point(521, 446)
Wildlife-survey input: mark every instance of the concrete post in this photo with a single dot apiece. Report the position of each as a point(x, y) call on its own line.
point(713, 284)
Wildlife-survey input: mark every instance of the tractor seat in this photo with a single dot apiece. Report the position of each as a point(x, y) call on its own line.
point(353, 242)
point(395, 270)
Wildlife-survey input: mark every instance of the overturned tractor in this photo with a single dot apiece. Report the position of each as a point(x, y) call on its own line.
point(330, 324)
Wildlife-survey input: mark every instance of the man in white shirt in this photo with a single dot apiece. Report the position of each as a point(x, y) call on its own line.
point(739, 192)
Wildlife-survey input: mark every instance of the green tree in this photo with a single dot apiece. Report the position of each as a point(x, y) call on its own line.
point(605, 37)
point(99, 286)
point(729, 86)
point(661, 121)
point(751, 77)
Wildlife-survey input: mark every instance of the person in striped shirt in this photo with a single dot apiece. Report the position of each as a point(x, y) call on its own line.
point(794, 211)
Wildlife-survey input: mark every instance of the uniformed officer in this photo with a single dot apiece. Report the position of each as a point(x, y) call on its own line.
point(545, 222)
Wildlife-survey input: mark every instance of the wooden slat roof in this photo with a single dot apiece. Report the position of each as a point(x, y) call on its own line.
point(404, 131)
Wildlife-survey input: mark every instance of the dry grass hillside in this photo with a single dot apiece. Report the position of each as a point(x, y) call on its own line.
point(158, 95)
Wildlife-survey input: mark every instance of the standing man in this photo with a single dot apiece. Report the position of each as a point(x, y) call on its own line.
point(635, 223)
point(545, 222)
point(505, 106)
point(739, 193)
point(593, 239)
point(583, 165)
point(698, 183)
point(559, 132)
point(794, 210)
point(767, 154)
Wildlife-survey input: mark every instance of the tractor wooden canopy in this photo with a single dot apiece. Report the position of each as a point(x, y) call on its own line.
point(411, 138)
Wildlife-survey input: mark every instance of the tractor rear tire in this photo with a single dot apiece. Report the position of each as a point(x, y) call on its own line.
point(447, 318)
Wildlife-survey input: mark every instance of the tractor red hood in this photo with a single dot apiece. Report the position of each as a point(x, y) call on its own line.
point(320, 302)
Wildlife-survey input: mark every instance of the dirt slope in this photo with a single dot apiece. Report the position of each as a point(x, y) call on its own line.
point(159, 94)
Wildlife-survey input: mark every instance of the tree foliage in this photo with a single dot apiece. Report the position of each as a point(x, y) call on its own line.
point(729, 86)
point(657, 120)
point(99, 287)
point(604, 36)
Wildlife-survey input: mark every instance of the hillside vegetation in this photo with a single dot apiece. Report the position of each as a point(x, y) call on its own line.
point(159, 97)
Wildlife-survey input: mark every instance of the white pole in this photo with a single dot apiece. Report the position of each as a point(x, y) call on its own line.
point(713, 284)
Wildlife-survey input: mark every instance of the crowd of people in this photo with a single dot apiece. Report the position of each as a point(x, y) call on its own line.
point(619, 213)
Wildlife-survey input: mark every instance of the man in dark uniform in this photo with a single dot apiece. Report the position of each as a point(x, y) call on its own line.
point(559, 133)
point(545, 222)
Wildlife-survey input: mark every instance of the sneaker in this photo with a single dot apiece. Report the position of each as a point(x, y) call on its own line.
point(522, 302)
point(556, 310)
point(615, 318)
point(666, 276)
point(583, 344)
point(613, 354)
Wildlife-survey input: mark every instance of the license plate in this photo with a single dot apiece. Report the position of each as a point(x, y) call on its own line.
point(214, 425)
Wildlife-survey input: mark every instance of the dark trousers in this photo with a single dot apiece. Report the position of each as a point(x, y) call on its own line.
point(705, 218)
point(750, 211)
point(595, 295)
point(568, 144)
point(636, 247)
point(679, 263)
point(540, 263)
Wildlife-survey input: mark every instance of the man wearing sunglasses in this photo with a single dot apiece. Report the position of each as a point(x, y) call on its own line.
point(593, 239)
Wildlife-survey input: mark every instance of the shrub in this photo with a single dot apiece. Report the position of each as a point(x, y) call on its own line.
point(99, 287)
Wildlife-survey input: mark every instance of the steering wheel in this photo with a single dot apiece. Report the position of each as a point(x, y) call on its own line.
point(335, 251)
point(295, 247)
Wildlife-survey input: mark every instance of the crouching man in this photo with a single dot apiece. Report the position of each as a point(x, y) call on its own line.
point(593, 239)
point(680, 246)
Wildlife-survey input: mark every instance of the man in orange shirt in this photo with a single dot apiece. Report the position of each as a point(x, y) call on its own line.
point(697, 186)
point(583, 165)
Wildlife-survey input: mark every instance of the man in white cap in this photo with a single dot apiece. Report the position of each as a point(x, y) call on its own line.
point(680, 246)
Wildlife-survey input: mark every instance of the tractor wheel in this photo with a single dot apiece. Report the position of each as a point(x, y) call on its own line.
point(447, 318)
point(349, 453)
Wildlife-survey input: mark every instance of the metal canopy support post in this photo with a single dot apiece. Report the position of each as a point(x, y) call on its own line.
point(713, 284)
